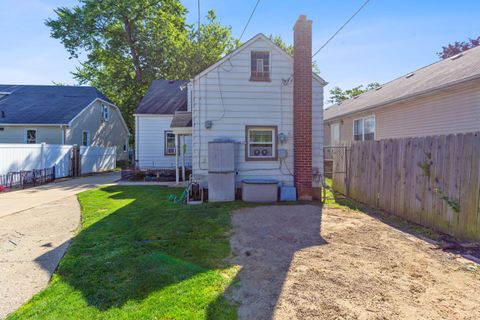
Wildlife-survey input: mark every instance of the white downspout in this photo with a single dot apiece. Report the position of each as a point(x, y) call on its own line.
point(183, 160)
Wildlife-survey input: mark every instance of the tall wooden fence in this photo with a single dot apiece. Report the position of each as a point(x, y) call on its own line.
point(433, 181)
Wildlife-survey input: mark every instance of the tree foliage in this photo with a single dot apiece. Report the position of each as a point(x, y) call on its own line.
point(337, 95)
point(457, 47)
point(129, 43)
point(288, 48)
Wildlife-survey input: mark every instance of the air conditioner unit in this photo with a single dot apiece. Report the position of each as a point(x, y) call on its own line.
point(261, 151)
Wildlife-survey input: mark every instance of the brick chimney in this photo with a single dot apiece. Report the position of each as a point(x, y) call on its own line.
point(302, 107)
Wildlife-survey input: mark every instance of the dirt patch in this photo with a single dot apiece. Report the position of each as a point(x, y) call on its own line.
point(299, 262)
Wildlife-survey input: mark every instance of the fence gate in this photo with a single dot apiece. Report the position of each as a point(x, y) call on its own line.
point(335, 164)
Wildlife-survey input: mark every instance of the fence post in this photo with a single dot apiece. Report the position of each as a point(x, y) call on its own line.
point(75, 160)
point(42, 155)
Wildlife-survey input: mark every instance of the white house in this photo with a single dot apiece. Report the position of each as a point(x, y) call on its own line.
point(266, 101)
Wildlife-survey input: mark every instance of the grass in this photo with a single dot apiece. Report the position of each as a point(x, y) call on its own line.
point(139, 256)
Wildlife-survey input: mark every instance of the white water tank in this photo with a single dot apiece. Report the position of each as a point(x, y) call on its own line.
point(221, 170)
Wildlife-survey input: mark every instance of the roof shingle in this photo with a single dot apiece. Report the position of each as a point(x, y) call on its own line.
point(463, 67)
point(35, 104)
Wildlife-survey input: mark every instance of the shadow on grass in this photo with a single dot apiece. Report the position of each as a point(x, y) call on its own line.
point(141, 244)
point(264, 243)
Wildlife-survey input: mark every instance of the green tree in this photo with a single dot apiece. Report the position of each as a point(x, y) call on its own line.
point(126, 44)
point(288, 48)
point(337, 95)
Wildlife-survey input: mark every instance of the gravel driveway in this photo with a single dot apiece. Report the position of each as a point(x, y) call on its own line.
point(298, 262)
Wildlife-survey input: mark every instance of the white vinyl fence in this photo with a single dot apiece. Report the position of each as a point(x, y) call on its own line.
point(23, 157)
point(97, 159)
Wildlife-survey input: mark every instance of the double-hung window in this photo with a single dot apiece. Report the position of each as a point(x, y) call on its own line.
point(31, 136)
point(260, 66)
point(261, 143)
point(169, 142)
point(85, 138)
point(364, 129)
point(335, 133)
point(105, 113)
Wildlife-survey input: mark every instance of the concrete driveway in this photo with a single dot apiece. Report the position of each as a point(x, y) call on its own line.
point(36, 226)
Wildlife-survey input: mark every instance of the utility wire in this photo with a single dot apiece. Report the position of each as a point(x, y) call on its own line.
point(198, 21)
point(250, 18)
point(340, 29)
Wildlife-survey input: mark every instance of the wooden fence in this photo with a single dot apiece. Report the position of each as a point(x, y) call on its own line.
point(432, 181)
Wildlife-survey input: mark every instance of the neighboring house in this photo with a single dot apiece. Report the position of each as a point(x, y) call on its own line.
point(441, 98)
point(258, 96)
point(154, 138)
point(61, 115)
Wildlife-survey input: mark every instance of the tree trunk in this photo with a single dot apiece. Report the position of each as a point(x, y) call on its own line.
point(133, 50)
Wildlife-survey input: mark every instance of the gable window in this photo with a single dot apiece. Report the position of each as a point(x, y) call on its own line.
point(260, 66)
point(364, 129)
point(261, 143)
point(335, 133)
point(85, 138)
point(31, 136)
point(105, 113)
point(170, 148)
point(125, 146)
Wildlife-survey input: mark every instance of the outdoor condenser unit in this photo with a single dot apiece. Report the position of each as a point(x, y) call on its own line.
point(221, 170)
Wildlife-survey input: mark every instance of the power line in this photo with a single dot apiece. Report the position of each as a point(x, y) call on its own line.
point(250, 18)
point(340, 29)
point(198, 19)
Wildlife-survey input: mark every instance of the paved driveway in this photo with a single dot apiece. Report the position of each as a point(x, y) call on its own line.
point(36, 226)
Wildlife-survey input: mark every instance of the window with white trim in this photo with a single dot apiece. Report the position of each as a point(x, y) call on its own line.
point(170, 148)
point(260, 66)
point(364, 129)
point(85, 138)
point(105, 112)
point(335, 133)
point(31, 136)
point(125, 146)
point(261, 143)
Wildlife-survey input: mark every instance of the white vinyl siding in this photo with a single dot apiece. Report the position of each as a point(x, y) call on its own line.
point(150, 142)
point(228, 98)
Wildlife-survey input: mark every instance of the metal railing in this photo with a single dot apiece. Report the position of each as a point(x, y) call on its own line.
point(28, 178)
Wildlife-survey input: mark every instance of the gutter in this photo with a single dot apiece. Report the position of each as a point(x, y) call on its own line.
point(410, 96)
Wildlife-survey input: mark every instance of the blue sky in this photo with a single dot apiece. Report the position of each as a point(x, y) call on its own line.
point(386, 40)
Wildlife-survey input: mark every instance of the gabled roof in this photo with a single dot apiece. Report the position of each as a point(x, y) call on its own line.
point(35, 104)
point(244, 46)
point(442, 74)
point(164, 97)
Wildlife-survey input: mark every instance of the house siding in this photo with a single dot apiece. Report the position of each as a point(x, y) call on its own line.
point(149, 143)
point(16, 134)
point(111, 133)
point(227, 97)
point(450, 111)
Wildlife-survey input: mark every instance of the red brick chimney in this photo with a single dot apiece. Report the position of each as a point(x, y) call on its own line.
point(302, 107)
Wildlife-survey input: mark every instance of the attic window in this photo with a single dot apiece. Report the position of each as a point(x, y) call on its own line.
point(105, 113)
point(260, 66)
point(409, 75)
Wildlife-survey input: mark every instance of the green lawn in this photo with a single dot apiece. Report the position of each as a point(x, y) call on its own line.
point(139, 256)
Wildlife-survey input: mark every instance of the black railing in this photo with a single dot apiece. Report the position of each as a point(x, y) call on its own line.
point(26, 179)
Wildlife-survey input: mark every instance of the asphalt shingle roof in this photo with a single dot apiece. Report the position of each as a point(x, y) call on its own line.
point(164, 97)
point(32, 104)
point(181, 119)
point(463, 67)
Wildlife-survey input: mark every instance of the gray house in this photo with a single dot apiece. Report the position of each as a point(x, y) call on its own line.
point(61, 115)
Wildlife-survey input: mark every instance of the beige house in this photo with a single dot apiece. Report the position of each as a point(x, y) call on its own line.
point(61, 115)
point(441, 98)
